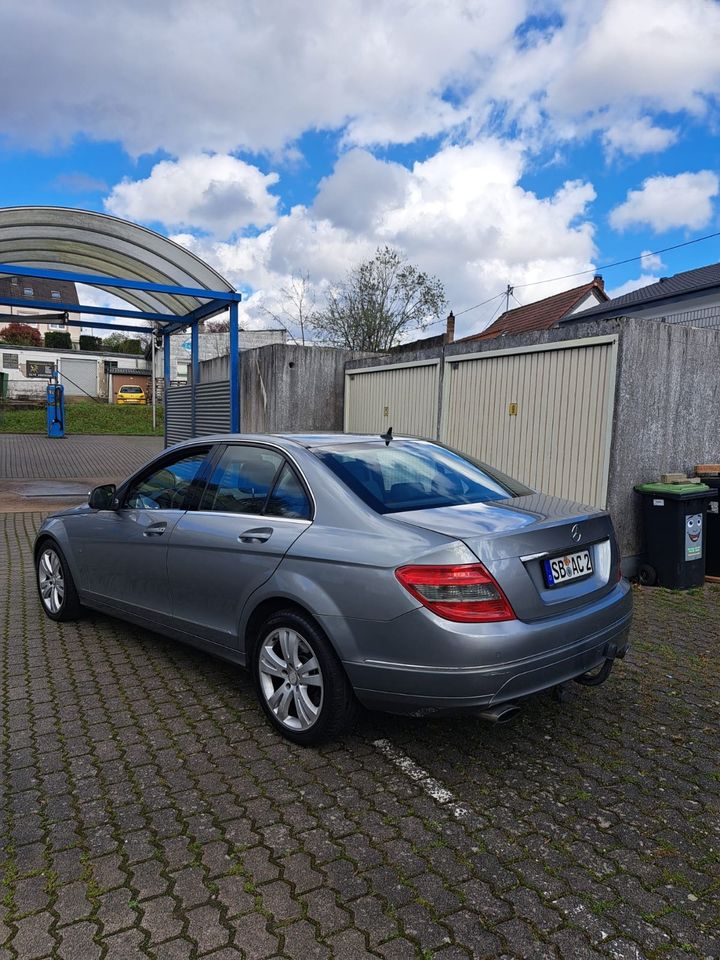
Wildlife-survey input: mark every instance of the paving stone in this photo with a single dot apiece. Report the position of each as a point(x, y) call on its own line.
point(77, 942)
point(32, 937)
point(143, 790)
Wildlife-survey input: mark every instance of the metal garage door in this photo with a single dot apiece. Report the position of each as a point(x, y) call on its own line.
point(403, 396)
point(79, 377)
point(543, 415)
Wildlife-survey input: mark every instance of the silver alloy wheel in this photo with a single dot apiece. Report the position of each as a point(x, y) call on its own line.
point(51, 580)
point(291, 679)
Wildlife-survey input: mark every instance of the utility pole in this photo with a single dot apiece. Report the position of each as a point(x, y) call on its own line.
point(508, 294)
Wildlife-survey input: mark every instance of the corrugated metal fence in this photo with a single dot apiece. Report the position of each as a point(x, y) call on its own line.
point(542, 414)
point(212, 408)
point(178, 414)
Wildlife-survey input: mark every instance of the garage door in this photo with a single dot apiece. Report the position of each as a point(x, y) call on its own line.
point(543, 414)
point(79, 377)
point(403, 396)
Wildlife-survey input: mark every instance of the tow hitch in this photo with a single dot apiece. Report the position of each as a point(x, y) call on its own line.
point(595, 679)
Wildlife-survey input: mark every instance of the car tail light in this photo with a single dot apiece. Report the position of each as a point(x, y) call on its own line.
point(466, 593)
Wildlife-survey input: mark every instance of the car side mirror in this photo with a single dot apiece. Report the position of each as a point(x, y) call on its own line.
point(103, 498)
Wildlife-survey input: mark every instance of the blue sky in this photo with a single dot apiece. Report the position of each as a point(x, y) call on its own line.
point(490, 143)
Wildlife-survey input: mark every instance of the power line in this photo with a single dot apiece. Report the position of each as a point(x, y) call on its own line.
point(490, 300)
point(620, 263)
point(583, 273)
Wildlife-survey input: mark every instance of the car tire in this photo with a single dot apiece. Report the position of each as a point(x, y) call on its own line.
point(300, 682)
point(647, 575)
point(56, 587)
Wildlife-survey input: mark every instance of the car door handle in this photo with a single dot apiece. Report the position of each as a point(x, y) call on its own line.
point(155, 530)
point(256, 535)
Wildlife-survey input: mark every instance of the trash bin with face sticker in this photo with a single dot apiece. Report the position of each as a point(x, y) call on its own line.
point(675, 518)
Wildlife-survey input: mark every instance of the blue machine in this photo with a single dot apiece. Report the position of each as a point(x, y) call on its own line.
point(55, 408)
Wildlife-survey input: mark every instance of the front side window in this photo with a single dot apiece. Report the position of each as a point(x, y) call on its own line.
point(167, 487)
point(414, 475)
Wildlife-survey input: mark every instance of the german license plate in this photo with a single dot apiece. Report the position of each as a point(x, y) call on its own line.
point(572, 566)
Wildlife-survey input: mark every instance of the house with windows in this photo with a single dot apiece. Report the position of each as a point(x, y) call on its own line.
point(35, 289)
point(691, 297)
point(545, 314)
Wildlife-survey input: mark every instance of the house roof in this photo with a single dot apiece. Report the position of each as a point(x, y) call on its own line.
point(42, 289)
point(540, 315)
point(689, 283)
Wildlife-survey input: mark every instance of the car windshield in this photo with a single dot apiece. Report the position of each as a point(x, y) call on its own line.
point(415, 475)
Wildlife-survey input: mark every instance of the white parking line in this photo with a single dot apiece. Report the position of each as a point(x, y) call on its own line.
point(430, 785)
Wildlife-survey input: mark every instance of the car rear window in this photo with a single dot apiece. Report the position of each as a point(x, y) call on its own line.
point(130, 389)
point(415, 475)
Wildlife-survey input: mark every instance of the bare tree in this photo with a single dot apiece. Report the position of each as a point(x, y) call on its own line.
point(297, 307)
point(378, 301)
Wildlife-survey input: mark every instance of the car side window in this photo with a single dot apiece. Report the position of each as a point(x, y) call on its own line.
point(288, 498)
point(167, 487)
point(241, 481)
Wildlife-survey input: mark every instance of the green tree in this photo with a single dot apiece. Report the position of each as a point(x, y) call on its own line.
point(379, 301)
point(58, 340)
point(119, 343)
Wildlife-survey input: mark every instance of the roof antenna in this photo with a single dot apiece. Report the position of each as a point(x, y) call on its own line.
point(387, 437)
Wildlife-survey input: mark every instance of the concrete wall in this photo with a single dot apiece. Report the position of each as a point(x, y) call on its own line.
point(287, 388)
point(667, 412)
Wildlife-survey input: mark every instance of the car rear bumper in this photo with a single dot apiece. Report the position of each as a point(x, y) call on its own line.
point(556, 650)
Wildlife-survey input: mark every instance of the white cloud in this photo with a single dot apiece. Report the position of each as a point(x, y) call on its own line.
point(635, 284)
point(636, 137)
point(461, 215)
point(663, 203)
point(222, 76)
point(219, 194)
point(651, 261)
point(610, 67)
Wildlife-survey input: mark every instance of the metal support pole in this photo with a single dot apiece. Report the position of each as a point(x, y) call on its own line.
point(152, 375)
point(195, 370)
point(234, 370)
point(166, 374)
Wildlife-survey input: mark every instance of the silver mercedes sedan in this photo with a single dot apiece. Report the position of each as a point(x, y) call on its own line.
point(343, 570)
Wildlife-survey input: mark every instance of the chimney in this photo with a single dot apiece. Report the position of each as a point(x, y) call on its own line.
point(450, 333)
point(598, 281)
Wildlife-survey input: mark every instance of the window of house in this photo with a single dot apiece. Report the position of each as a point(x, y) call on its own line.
point(13, 281)
point(10, 361)
point(28, 291)
point(55, 294)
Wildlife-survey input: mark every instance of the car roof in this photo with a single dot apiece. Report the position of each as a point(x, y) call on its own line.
point(307, 440)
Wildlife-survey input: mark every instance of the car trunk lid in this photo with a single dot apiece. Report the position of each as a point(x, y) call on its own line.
point(513, 538)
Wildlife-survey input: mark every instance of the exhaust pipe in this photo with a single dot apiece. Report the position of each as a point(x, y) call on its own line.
point(503, 713)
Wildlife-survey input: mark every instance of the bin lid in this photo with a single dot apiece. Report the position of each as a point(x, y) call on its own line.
point(673, 491)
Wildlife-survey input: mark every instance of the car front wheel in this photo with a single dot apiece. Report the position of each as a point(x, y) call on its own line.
point(301, 684)
point(55, 583)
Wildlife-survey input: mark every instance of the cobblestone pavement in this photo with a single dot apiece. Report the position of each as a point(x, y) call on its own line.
point(34, 457)
point(148, 811)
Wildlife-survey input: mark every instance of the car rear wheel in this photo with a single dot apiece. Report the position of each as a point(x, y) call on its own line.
point(55, 583)
point(301, 684)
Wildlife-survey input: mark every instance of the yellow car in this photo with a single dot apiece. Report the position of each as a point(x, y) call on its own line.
point(131, 394)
